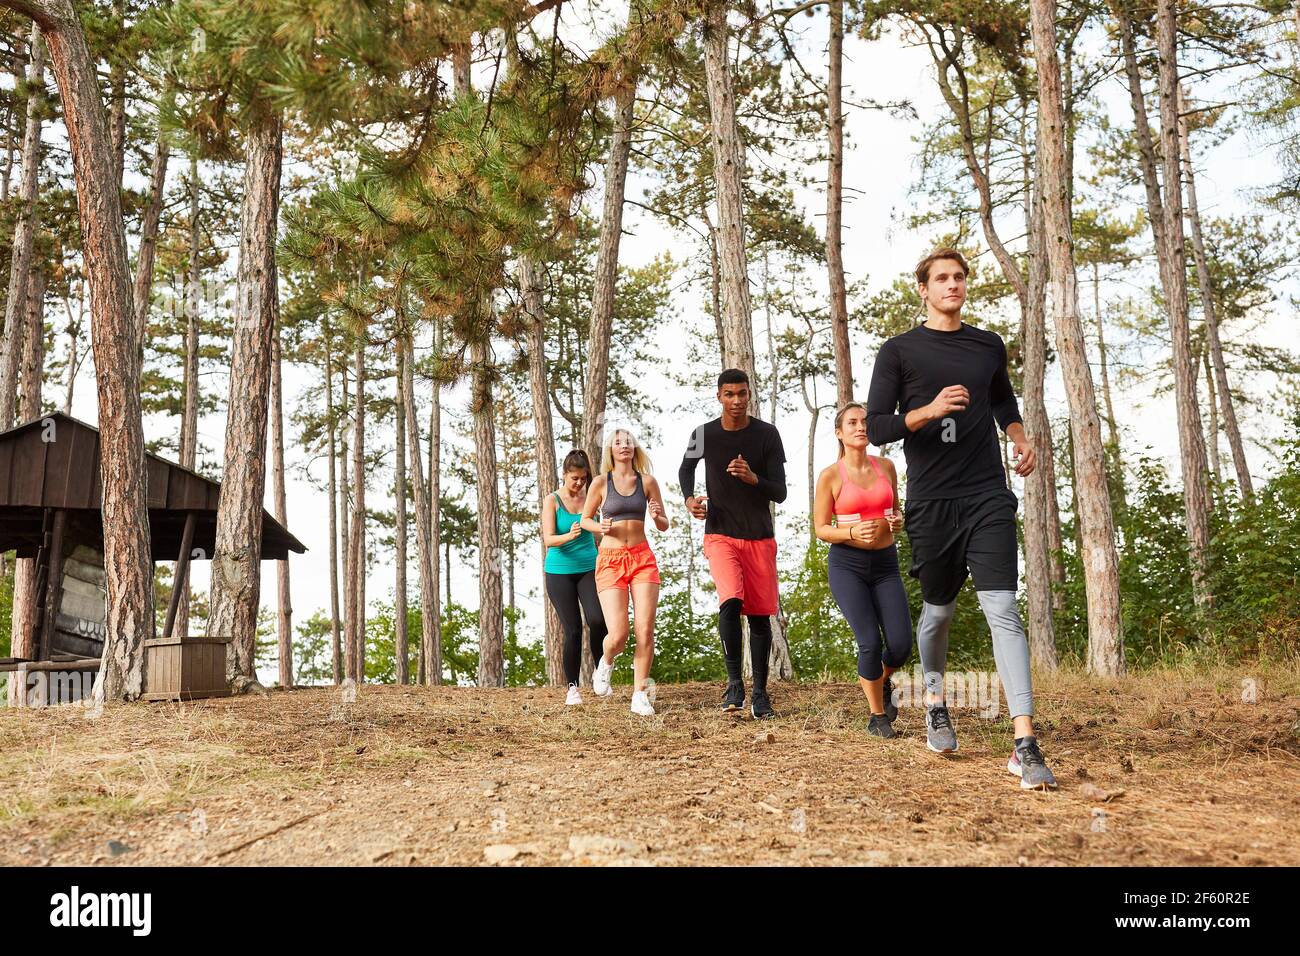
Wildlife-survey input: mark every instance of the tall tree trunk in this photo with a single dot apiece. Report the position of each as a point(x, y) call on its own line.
point(1212, 435)
point(127, 565)
point(1190, 436)
point(1112, 425)
point(331, 424)
point(24, 237)
point(491, 639)
point(602, 297)
point(544, 439)
point(1092, 504)
point(426, 532)
point(345, 528)
point(284, 619)
point(149, 238)
point(117, 95)
point(236, 562)
point(29, 407)
point(357, 580)
point(728, 169)
point(190, 409)
point(1214, 348)
point(400, 636)
point(1142, 134)
point(1038, 486)
point(835, 210)
point(434, 663)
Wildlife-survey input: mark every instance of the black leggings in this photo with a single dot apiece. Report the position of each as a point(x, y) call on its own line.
point(869, 589)
point(566, 592)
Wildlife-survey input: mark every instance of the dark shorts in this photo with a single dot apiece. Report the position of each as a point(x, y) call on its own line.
point(953, 536)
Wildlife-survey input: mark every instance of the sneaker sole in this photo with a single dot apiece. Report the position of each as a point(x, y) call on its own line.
point(1018, 771)
point(733, 708)
point(935, 749)
point(758, 716)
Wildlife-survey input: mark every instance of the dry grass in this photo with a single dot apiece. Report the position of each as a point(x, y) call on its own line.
point(1184, 771)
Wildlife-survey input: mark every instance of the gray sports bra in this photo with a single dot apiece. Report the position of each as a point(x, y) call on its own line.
point(624, 507)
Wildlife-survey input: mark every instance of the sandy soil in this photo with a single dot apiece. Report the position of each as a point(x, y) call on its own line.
point(1166, 768)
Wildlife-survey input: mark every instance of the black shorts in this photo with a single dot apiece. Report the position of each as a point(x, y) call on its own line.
point(951, 535)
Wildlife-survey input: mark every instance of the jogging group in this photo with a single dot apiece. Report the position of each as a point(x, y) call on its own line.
point(942, 388)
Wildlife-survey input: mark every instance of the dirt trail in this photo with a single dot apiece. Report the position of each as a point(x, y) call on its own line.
point(1190, 775)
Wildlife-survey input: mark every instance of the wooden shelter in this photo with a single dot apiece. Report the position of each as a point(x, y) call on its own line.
point(50, 511)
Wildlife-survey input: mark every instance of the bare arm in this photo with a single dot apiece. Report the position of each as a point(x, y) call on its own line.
point(550, 536)
point(655, 504)
point(595, 499)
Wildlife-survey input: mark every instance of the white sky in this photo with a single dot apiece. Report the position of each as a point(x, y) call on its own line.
point(879, 169)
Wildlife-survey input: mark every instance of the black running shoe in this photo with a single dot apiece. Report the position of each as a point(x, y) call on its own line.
point(891, 709)
point(881, 727)
point(734, 699)
point(761, 707)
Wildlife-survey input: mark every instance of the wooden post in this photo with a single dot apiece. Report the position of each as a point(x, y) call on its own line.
point(53, 583)
point(180, 581)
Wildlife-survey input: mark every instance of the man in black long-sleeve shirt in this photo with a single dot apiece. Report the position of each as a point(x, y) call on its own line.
point(939, 388)
point(744, 470)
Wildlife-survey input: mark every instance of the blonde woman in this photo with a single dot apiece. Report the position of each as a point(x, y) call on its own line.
point(624, 493)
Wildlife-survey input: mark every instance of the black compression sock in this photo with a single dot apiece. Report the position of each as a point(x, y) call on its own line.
point(729, 629)
point(760, 648)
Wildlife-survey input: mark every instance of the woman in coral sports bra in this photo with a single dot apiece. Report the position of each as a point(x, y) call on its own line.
point(855, 511)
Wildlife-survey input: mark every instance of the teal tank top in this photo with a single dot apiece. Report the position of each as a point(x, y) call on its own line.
point(576, 557)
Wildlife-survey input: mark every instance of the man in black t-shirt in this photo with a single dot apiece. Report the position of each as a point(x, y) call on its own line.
point(940, 387)
point(744, 470)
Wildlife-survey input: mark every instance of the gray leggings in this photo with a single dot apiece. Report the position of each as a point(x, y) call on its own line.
point(1010, 648)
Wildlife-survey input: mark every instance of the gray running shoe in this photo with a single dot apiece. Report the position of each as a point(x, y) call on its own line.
point(939, 735)
point(1028, 764)
point(881, 727)
point(891, 709)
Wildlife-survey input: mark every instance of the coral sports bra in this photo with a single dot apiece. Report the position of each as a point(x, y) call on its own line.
point(855, 503)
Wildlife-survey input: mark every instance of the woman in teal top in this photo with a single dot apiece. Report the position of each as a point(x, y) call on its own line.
point(570, 567)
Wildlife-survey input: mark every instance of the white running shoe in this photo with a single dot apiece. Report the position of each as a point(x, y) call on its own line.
point(600, 678)
point(641, 705)
point(575, 696)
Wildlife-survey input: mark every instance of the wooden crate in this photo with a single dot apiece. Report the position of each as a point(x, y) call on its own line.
point(187, 669)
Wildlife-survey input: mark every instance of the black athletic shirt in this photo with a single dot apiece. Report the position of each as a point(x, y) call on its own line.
point(957, 455)
point(736, 509)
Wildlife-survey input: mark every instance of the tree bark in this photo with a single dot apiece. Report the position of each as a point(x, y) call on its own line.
point(127, 564)
point(24, 237)
point(835, 210)
point(728, 169)
point(1092, 501)
point(400, 636)
point(1214, 355)
point(1039, 486)
point(284, 618)
point(117, 95)
point(491, 671)
point(1142, 134)
point(357, 580)
point(1100, 560)
point(606, 276)
point(1212, 434)
point(236, 562)
point(336, 642)
point(345, 527)
point(426, 532)
point(149, 238)
point(544, 440)
point(29, 407)
point(433, 663)
point(190, 409)
point(1190, 436)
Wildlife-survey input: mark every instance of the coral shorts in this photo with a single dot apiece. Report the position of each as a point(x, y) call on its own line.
point(622, 567)
point(744, 569)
